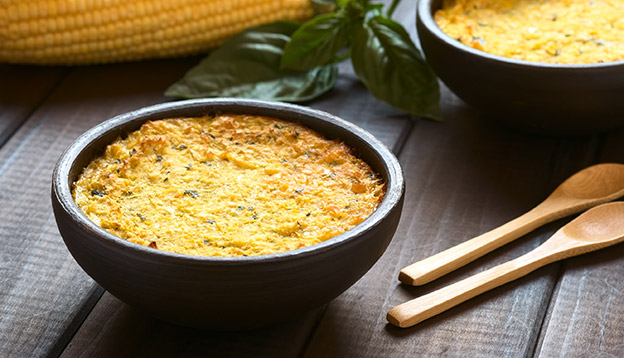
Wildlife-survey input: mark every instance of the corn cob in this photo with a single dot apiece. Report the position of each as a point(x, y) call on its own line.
point(72, 32)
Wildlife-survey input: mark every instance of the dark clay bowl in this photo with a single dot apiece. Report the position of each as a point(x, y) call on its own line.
point(548, 98)
point(226, 292)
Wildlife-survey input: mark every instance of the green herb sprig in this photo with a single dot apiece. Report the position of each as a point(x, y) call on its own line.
point(292, 62)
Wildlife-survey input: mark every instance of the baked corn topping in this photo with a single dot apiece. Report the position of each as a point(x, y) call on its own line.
point(228, 185)
point(548, 31)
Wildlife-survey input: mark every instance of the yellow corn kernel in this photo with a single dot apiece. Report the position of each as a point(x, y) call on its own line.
point(59, 32)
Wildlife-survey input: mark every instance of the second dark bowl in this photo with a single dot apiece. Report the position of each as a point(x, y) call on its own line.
point(540, 97)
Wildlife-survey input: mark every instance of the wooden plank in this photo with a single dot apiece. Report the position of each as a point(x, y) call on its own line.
point(586, 314)
point(114, 328)
point(43, 292)
point(23, 89)
point(613, 148)
point(464, 177)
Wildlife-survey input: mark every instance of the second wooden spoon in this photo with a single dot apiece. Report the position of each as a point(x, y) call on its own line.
point(589, 187)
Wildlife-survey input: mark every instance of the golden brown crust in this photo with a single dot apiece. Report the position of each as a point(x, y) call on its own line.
point(548, 31)
point(232, 185)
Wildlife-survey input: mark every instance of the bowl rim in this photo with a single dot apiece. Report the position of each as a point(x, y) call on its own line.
point(425, 15)
point(61, 188)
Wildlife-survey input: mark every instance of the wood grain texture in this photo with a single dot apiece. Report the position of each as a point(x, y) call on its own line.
point(44, 295)
point(114, 329)
point(586, 314)
point(23, 89)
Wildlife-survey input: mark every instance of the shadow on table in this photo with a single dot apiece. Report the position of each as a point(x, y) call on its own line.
point(114, 329)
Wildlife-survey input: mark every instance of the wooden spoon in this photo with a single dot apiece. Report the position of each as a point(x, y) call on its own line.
point(591, 186)
point(599, 227)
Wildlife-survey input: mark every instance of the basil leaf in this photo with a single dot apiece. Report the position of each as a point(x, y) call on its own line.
point(392, 68)
point(247, 65)
point(323, 6)
point(316, 42)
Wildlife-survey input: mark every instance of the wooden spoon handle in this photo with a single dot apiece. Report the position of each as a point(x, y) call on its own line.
point(421, 308)
point(446, 261)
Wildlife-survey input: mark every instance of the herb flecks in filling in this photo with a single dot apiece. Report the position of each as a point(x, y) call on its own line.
point(230, 185)
point(548, 31)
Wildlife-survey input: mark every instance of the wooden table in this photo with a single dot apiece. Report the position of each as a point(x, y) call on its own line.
point(464, 177)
